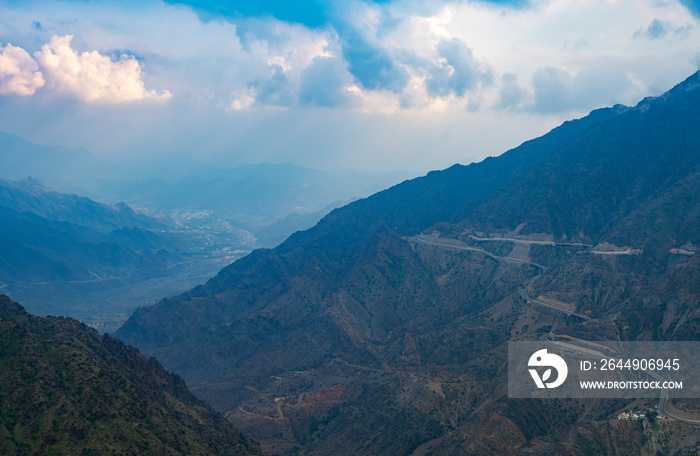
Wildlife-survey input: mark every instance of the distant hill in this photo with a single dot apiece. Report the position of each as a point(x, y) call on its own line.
point(34, 249)
point(51, 236)
point(383, 329)
point(67, 169)
point(275, 233)
point(251, 196)
point(57, 248)
point(64, 389)
point(29, 195)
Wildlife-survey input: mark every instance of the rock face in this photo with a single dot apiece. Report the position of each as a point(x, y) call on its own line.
point(66, 390)
point(382, 330)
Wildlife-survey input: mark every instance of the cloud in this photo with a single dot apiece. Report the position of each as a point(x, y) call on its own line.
point(92, 77)
point(395, 76)
point(325, 83)
point(284, 53)
point(372, 67)
point(241, 99)
point(554, 88)
point(658, 29)
point(457, 70)
point(19, 73)
point(275, 90)
point(403, 54)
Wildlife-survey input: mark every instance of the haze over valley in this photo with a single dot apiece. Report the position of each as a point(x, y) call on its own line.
point(70, 255)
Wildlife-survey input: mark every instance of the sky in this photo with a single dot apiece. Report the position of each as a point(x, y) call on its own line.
point(373, 85)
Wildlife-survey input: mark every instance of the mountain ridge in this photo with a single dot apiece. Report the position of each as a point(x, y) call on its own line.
point(30, 195)
point(397, 307)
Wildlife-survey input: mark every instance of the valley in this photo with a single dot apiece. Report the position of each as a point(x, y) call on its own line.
point(64, 254)
point(69, 255)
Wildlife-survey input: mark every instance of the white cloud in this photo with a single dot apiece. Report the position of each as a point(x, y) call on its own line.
point(289, 52)
point(579, 37)
point(360, 83)
point(412, 56)
point(289, 46)
point(241, 99)
point(91, 76)
point(19, 73)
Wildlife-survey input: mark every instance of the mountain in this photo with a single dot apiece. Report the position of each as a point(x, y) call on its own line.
point(383, 329)
point(29, 195)
point(35, 249)
point(57, 250)
point(249, 196)
point(64, 389)
point(52, 236)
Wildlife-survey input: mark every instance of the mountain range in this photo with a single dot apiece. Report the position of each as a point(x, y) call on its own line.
point(383, 329)
point(47, 235)
point(30, 195)
point(271, 201)
point(58, 248)
point(250, 197)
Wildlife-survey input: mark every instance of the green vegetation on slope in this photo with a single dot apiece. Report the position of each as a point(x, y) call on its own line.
point(66, 390)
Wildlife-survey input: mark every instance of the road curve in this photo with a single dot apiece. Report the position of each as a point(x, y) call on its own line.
point(527, 298)
point(477, 249)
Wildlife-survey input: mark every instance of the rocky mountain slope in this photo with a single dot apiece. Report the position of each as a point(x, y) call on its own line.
point(66, 390)
point(382, 330)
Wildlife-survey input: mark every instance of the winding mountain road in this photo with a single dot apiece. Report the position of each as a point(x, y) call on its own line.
point(665, 407)
point(477, 249)
point(527, 298)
